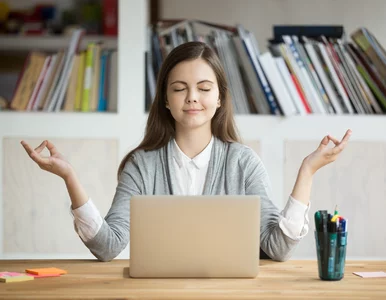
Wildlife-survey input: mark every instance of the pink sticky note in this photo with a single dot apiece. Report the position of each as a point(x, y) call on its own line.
point(11, 274)
point(370, 274)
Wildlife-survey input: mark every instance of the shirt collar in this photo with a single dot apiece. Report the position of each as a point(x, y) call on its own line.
point(199, 161)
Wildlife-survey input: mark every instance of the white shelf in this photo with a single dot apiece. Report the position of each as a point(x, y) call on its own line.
point(62, 124)
point(312, 127)
point(49, 43)
point(251, 127)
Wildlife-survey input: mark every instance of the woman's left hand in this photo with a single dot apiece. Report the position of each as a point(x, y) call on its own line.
point(324, 155)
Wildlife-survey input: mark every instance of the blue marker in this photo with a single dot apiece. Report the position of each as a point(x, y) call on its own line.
point(343, 225)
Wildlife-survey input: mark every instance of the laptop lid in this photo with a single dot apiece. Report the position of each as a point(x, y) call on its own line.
point(194, 236)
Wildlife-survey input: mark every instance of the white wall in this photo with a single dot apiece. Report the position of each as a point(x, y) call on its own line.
point(259, 15)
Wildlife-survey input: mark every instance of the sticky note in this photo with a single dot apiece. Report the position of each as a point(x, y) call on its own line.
point(370, 274)
point(43, 271)
point(43, 275)
point(14, 277)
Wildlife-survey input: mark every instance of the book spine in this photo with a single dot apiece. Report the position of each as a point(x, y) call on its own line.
point(110, 17)
point(88, 72)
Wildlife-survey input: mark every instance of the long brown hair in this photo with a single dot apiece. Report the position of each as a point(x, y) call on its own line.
point(160, 127)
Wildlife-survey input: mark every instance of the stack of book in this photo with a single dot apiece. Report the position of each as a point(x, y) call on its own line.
point(306, 70)
point(71, 79)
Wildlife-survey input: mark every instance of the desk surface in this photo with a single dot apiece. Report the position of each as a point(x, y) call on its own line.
point(90, 279)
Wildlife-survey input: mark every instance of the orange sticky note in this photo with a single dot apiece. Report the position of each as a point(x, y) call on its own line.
point(43, 275)
point(43, 271)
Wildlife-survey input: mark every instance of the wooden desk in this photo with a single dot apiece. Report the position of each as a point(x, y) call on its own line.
point(89, 279)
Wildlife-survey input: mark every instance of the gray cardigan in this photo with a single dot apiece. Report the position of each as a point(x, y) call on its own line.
point(234, 169)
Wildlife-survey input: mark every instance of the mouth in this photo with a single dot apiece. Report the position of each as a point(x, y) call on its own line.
point(192, 111)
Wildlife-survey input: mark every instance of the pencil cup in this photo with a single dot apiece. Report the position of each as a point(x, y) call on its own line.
point(331, 254)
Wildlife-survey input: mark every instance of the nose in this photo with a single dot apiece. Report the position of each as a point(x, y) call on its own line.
point(192, 96)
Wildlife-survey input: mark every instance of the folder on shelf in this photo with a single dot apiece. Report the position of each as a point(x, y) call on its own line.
point(69, 103)
point(27, 80)
point(79, 83)
point(94, 95)
point(88, 76)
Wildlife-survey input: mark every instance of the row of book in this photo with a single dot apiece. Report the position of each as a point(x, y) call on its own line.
point(306, 69)
point(71, 79)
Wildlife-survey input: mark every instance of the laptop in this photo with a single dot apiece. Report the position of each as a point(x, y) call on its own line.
point(194, 236)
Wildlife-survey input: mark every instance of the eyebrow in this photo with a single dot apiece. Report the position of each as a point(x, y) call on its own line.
point(183, 82)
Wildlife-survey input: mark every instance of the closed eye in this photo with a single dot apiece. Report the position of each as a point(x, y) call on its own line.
point(180, 90)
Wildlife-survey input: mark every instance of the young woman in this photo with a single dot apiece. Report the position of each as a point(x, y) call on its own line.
point(191, 147)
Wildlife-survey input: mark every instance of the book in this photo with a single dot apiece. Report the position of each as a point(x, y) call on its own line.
point(58, 97)
point(96, 74)
point(311, 49)
point(53, 81)
point(110, 17)
point(39, 83)
point(311, 93)
point(88, 76)
point(79, 83)
point(69, 103)
point(277, 83)
point(252, 49)
point(28, 79)
point(112, 95)
point(102, 96)
point(371, 48)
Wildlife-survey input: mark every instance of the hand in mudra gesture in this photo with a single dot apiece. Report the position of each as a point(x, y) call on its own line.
point(324, 155)
point(55, 163)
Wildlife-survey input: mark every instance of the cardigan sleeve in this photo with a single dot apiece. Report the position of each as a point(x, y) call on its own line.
point(114, 234)
point(273, 239)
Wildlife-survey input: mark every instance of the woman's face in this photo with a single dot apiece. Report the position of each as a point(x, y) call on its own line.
point(192, 94)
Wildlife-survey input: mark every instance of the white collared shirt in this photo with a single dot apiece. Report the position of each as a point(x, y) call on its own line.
point(191, 172)
point(190, 179)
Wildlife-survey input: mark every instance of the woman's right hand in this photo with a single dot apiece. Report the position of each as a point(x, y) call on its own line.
point(56, 163)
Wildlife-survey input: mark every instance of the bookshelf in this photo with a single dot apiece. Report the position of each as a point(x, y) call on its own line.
point(83, 124)
point(272, 135)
